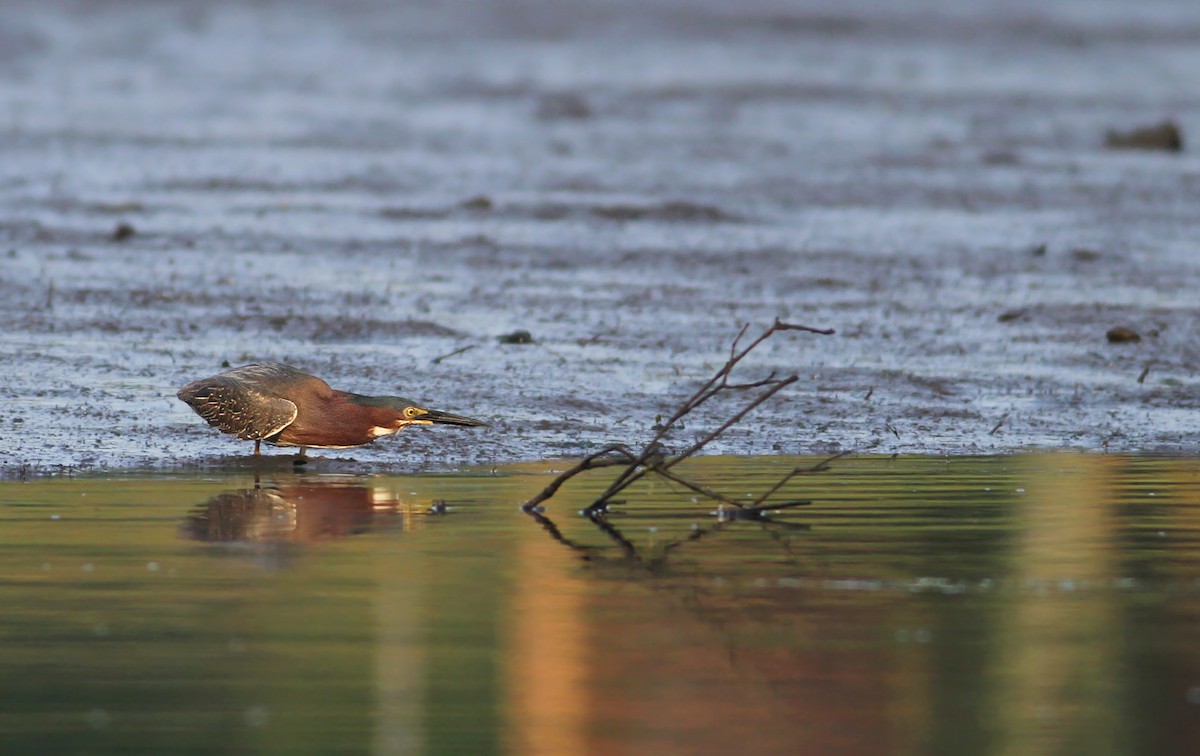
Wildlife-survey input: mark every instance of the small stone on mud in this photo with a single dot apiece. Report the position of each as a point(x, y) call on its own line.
point(1166, 136)
point(123, 231)
point(516, 337)
point(562, 106)
point(481, 202)
point(1001, 157)
point(1122, 335)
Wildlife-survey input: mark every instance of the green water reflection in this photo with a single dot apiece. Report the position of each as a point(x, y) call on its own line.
point(1023, 605)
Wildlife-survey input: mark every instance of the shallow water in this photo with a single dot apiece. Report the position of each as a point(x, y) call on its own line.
point(1027, 604)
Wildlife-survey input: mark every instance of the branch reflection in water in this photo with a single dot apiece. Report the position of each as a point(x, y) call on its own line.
point(656, 556)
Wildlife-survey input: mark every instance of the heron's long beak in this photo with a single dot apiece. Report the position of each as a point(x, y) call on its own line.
point(445, 418)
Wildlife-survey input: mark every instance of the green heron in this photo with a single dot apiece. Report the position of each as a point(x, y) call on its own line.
point(286, 406)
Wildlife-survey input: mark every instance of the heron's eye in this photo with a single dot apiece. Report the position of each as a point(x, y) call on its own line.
point(410, 412)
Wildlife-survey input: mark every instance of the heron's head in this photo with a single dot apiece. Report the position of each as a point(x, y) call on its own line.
point(398, 413)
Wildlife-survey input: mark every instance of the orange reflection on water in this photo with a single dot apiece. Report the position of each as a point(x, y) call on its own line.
point(981, 615)
point(605, 654)
point(547, 668)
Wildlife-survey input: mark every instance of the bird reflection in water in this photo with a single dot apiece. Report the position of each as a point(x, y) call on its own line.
point(303, 511)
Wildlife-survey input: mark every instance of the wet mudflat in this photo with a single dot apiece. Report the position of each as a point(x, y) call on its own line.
point(1022, 604)
point(360, 188)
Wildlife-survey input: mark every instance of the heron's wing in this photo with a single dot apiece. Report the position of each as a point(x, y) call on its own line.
point(275, 379)
point(240, 407)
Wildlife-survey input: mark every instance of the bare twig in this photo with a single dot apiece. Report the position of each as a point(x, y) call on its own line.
point(998, 424)
point(736, 340)
point(760, 515)
point(768, 381)
point(637, 470)
point(821, 466)
point(776, 506)
point(764, 396)
point(438, 360)
point(702, 490)
point(651, 458)
point(591, 462)
point(795, 327)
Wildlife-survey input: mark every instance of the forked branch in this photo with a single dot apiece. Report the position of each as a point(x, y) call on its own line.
point(652, 460)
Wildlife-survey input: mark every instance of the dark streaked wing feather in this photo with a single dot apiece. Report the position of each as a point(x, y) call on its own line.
point(244, 401)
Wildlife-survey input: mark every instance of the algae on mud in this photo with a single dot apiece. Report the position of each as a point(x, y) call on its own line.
point(926, 605)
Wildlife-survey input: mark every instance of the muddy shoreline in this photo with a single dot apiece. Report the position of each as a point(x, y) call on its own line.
point(361, 191)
